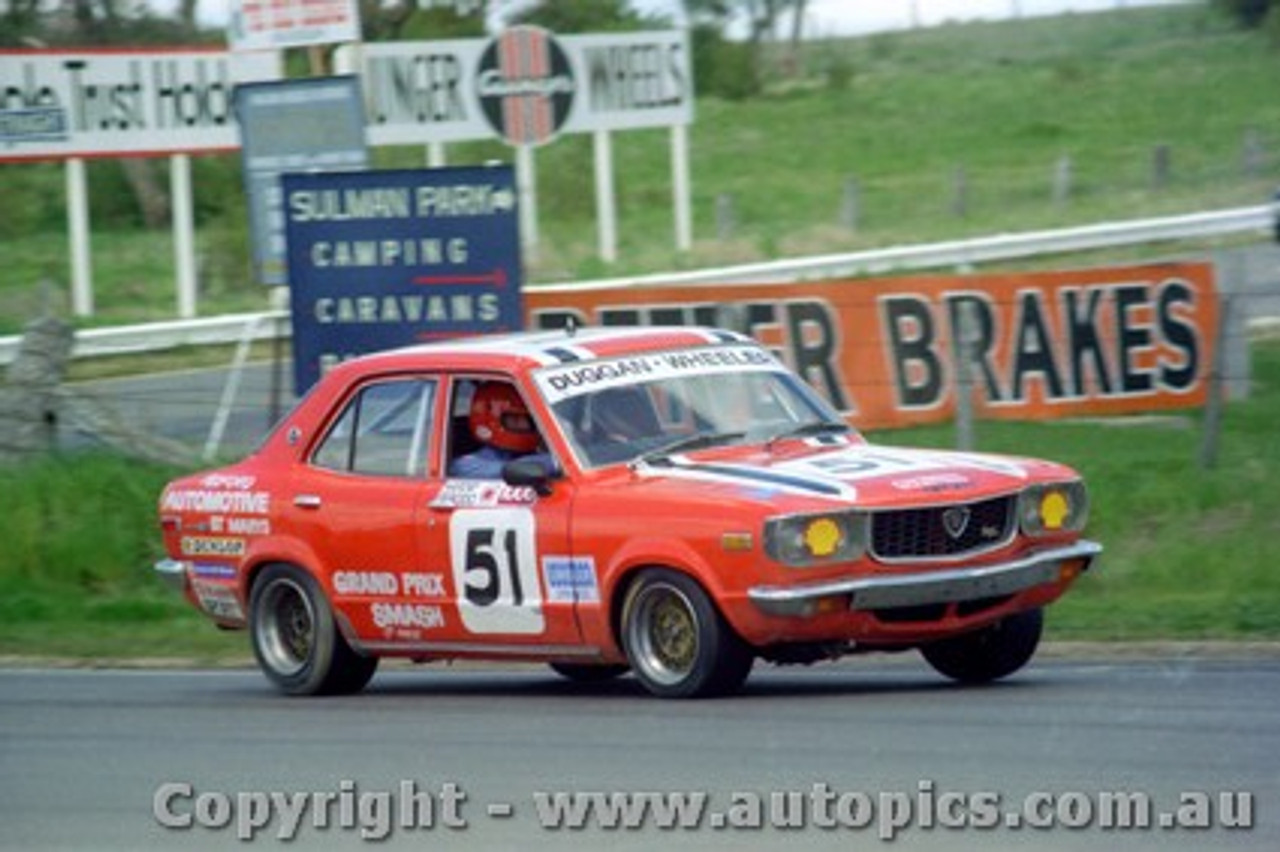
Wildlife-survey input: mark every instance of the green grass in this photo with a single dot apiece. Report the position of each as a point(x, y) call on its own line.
point(1190, 554)
point(79, 535)
point(1003, 101)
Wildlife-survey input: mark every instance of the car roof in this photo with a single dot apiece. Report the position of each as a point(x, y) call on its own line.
point(533, 349)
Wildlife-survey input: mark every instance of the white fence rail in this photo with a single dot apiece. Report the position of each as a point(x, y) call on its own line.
point(233, 328)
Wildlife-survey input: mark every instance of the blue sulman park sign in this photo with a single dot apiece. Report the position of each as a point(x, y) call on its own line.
point(380, 259)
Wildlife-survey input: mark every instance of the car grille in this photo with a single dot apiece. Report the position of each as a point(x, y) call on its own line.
point(941, 531)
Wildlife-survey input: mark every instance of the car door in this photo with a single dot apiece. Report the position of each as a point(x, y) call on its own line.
point(502, 552)
point(356, 502)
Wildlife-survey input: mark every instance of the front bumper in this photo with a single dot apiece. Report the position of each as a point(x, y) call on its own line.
point(173, 573)
point(931, 587)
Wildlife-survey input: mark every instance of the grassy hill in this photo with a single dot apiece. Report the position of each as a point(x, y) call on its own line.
point(903, 114)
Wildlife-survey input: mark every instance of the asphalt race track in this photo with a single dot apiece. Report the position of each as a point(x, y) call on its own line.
point(87, 758)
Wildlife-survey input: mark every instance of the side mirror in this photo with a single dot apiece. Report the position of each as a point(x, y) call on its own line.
point(536, 472)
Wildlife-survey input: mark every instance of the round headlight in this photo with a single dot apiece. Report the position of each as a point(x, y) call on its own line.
point(1053, 507)
point(813, 539)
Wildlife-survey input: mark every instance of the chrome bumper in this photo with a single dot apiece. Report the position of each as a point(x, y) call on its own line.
point(173, 573)
point(932, 587)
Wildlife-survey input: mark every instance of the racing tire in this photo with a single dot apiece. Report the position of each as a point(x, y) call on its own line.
point(991, 653)
point(296, 639)
point(589, 672)
point(678, 644)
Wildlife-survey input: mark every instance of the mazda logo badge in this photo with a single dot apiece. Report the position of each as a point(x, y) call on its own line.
point(955, 521)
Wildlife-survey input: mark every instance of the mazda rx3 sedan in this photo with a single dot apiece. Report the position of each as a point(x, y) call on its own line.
point(671, 502)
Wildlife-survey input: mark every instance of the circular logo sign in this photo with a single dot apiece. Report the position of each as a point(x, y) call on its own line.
point(525, 85)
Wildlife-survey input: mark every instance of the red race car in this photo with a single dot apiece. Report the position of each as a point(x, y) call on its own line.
point(670, 501)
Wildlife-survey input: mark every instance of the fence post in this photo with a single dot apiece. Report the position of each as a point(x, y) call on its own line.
point(1253, 153)
point(1216, 391)
point(1162, 166)
point(1062, 174)
point(850, 204)
point(724, 216)
point(964, 336)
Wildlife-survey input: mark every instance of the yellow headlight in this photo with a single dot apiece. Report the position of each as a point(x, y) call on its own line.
point(822, 537)
point(817, 539)
point(1054, 509)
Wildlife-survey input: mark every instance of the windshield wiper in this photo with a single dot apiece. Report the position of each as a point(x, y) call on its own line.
point(804, 430)
point(692, 442)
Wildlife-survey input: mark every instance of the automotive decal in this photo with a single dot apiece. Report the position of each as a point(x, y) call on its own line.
point(494, 559)
point(213, 570)
point(203, 545)
point(569, 380)
point(228, 481)
point(933, 482)
point(388, 616)
point(410, 584)
point(481, 493)
point(570, 579)
point(204, 500)
point(218, 600)
point(369, 583)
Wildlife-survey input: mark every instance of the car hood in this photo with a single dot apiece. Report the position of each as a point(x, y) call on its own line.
point(865, 474)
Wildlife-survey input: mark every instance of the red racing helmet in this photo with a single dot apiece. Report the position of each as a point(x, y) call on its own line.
point(499, 417)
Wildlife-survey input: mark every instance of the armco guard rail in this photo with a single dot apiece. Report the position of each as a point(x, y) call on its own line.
point(233, 328)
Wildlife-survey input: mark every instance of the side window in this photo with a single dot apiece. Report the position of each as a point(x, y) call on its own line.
point(383, 431)
point(461, 441)
point(502, 430)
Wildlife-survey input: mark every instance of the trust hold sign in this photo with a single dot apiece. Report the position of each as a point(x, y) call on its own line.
point(1045, 344)
point(103, 102)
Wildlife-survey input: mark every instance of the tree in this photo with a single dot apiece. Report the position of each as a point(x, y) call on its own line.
point(587, 16)
point(423, 19)
point(731, 69)
point(1250, 13)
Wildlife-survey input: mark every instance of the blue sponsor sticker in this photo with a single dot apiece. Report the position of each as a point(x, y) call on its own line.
point(570, 578)
point(213, 570)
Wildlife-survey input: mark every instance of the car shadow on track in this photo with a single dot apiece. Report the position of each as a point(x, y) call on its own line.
point(767, 684)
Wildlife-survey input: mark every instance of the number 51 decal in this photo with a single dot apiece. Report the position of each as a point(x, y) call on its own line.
point(495, 570)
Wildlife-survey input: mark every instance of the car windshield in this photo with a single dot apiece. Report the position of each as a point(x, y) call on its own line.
point(626, 410)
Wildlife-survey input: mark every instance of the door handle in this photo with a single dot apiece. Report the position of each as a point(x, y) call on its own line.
point(307, 501)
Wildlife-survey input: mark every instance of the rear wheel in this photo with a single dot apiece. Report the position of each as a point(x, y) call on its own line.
point(588, 672)
point(295, 638)
point(990, 653)
point(677, 642)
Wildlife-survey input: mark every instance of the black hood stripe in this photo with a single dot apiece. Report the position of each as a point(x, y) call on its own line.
point(564, 356)
point(769, 478)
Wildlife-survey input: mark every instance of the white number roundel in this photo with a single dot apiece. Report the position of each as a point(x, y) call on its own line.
point(495, 570)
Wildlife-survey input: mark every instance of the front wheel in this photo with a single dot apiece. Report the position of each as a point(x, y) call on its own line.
point(990, 653)
point(296, 640)
point(678, 644)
